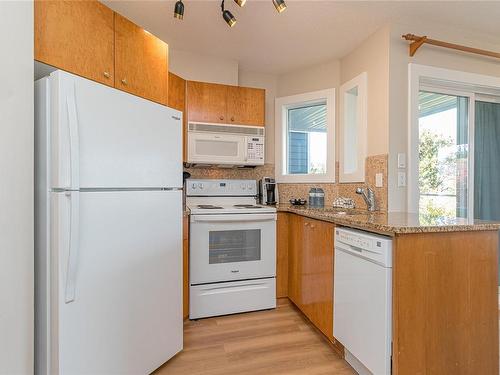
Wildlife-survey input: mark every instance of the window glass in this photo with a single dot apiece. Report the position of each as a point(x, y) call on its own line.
point(307, 139)
point(443, 155)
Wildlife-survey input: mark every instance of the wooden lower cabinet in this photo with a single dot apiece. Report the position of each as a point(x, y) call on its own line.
point(317, 274)
point(445, 303)
point(310, 270)
point(185, 267)
point(282, 255)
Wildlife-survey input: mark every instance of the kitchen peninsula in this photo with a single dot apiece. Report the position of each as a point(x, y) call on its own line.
point(444, 275)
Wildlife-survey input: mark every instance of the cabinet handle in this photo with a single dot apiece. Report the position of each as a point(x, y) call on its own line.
point(221, 118)
point(306, 224)
point(312, 226)
point(124, 81)
point(106, 74)
point(232, 118)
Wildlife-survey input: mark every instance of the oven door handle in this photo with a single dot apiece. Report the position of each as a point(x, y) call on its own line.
point(232, 218)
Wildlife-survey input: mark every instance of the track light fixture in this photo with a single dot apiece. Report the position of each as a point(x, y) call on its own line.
point(279, 5)
point(179, 10)
point(226, 14)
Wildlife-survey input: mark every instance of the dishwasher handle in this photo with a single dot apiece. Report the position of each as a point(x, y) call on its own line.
point(379, 258)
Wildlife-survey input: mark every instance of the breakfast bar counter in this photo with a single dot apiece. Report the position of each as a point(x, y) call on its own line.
point(390, 223)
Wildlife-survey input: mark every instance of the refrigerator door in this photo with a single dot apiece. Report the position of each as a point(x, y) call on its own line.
point(105, 138)
point(116, 280)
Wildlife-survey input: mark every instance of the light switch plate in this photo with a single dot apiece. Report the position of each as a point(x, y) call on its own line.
point(401, 160)
point(401, 179)
point(379, 180)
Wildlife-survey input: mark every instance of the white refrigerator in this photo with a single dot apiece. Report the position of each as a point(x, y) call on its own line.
point(108, 250)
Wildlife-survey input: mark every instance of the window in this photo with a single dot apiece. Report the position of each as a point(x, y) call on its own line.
point(305, 137)
point(453, 139)
point(353, 129)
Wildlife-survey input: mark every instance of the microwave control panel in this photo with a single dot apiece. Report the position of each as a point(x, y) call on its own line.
point(255, 149)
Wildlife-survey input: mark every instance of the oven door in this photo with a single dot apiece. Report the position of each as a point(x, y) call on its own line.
point(215, 148)
point(225, 247)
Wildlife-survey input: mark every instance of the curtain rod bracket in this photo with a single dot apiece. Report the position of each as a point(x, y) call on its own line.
point(418, 41)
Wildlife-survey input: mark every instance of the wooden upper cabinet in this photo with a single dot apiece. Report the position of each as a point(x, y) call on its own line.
point(176, 92)
point(246, 106)
point(141, 61)
point(206, 102)
point(210, 102)
point(76, 36)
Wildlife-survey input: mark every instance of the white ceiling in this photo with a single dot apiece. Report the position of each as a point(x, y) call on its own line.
point(307, 33)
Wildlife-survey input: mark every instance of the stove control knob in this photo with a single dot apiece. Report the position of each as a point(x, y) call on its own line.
point(243, 186)
point(250, 186)
point(200, 185)
point(193, 186)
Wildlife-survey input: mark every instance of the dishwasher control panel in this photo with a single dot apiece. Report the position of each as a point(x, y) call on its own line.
point(371, 246)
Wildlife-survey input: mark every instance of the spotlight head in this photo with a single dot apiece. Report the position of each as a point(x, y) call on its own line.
point(179, 10)
point(229, 18)
point(241, 3)
point(279, 5)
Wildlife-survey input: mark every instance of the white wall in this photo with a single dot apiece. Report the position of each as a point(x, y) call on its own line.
point(16, 188)
point(398, 82)
point(312, 78)
point(372, 56)
point(196, 67)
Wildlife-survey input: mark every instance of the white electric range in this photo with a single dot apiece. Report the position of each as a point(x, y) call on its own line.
point(232, 248)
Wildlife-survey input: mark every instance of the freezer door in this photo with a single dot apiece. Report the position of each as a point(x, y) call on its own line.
point(105, 138)
point(117, 301)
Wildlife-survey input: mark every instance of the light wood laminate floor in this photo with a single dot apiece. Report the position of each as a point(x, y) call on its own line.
point(273, 342)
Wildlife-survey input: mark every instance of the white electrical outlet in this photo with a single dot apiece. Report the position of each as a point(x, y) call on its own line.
point(401, 179)
point(401, 160)
point(379, 180)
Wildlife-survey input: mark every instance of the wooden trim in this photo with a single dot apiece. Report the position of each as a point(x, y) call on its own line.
point(419, 41)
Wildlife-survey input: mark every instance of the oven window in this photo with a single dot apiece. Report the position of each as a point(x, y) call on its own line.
point(229, 246)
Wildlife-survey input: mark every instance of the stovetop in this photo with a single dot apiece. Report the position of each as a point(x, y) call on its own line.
point(243, 208)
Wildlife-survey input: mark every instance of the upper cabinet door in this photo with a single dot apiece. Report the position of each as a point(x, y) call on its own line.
point(76, 36)
point(246, 106)
point(353, 129)
point(207, 102)
point(141, 62)
point(176, 92)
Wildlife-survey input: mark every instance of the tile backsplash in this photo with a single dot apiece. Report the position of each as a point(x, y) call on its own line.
point(256, 173)
point(373, 164)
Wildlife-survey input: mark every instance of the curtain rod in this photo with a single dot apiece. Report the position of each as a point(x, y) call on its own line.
point(418, 41)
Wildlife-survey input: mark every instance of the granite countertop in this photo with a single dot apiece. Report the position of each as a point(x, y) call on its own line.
point(389, 222)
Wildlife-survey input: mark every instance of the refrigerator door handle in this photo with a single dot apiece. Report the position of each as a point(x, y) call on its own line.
point(74, 244)
point(74, 142)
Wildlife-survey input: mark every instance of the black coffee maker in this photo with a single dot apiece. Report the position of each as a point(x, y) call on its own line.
point(268, 191)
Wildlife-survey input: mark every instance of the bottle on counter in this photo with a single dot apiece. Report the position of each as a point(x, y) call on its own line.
point(320, 198)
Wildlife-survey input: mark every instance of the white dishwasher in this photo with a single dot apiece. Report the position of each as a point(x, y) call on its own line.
point(362, 315)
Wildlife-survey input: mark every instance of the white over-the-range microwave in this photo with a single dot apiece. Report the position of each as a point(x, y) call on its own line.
point(225, 145)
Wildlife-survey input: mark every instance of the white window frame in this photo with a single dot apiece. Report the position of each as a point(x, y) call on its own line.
point(451, 82)
point(282, 105)
point(361, 82)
